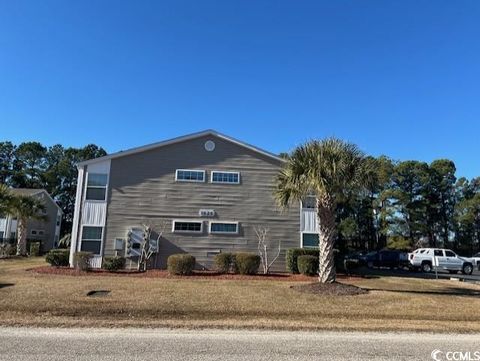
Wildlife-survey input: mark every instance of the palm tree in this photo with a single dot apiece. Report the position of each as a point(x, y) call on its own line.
point(324, 169)
point(24, 208)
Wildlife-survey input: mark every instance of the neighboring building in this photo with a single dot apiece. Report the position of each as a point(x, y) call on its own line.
point(47, 232)
point(209, 189)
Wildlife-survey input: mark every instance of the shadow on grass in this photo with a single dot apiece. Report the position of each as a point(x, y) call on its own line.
point(451, 291)
point(5, 285)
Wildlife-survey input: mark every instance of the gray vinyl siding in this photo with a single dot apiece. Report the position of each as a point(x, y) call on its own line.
point(48, 226)
point(142, 189)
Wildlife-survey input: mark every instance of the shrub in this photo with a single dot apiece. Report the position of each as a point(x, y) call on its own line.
point(292, 255)
point(58, 257)
point(81, 260)
point(7, 249)
point(247, 263)
point(181, 264)
point(307, 265)
point(225, 262)
point(351, 264)
point(34, 249)
point(113, 263)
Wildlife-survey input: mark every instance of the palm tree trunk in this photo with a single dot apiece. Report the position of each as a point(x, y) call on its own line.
point(326, 236)
point(22, 237)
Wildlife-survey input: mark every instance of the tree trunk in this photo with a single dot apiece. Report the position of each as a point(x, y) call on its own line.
point(22, 237)
point(327, 231)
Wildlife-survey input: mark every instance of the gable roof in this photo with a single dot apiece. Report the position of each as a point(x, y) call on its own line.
point(183, 138)
point(33, 191)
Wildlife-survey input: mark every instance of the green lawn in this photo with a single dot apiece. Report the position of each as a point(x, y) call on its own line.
point(29, 298)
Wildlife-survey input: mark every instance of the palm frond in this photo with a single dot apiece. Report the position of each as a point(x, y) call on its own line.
point(326, 167)
point(27, 207)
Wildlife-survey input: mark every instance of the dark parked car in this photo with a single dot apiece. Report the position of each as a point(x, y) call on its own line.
point(357, 257)
point(387, 258)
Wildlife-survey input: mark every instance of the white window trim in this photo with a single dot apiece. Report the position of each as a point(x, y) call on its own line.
point(190, 180)
point(221, 222)
point(223, 171)
point(301, 239)
point(92, 240)
point(187, 221)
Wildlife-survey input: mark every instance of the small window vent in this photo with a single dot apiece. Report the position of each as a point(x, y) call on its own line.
point(209, 145)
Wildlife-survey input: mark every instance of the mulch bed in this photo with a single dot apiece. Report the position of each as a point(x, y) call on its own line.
point(156, 273)
point(330, 289)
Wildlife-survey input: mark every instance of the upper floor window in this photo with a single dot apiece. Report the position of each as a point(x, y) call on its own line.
point(309, 202)
point(96, 186)
point(225, 177)
point(188, 175)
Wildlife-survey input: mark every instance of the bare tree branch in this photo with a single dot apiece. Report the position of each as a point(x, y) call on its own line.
point(263, 248)
point(150, 245)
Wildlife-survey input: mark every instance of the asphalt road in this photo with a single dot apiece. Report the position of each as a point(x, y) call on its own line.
point(474, 277)
point(28, 344)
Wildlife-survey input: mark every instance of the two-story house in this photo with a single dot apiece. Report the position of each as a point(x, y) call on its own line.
point(47, 232)
point(208, 191)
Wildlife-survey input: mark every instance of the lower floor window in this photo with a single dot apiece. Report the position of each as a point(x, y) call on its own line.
point(310, 240)
point(92, 239)
point(219, 227)
point(187, 226)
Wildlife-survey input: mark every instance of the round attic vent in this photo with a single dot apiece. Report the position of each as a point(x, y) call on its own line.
point(209, 145)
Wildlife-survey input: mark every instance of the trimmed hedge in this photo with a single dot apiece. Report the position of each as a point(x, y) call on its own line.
point(113, 263)
point(7, 249)
point(225, 262)
point(247, 263)
point(181, 264)
point(294, 253)
point(307, 265)
point(34, 249)
point(81, 260)
point(58, 257)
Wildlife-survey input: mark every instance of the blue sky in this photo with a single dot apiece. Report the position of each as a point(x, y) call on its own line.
point(400, 78)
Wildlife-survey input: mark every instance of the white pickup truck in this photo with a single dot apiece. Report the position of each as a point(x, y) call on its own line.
point(475, 259)
point(427, 258)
